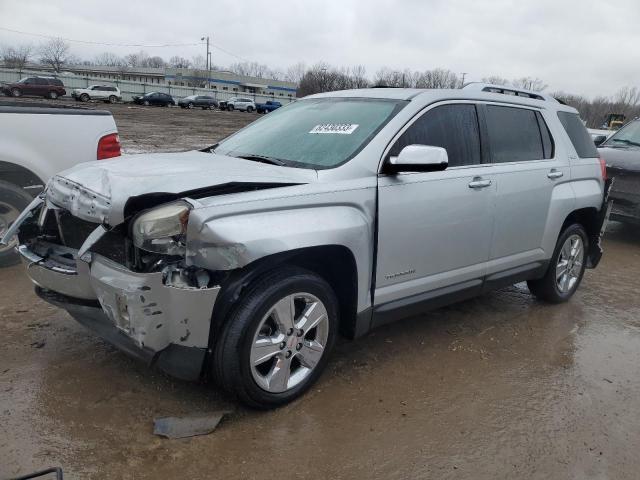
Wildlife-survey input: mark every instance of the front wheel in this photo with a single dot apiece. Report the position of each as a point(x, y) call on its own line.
point(16, 92)
point(53, 95)
point(112, 99)
point(566, 268)
point(249, 109)
point(146, 103)
point(277, 340)
point(84, 97)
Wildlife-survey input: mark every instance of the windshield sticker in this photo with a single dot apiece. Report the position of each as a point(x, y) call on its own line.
point(338, 128)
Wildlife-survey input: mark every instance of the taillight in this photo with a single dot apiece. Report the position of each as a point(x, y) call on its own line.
point(109, 146)
point(603, 168)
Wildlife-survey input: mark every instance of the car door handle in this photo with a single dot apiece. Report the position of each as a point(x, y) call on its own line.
point(555, 174)
point(479, 183)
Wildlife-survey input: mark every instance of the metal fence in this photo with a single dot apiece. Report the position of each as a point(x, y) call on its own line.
point(129, 88)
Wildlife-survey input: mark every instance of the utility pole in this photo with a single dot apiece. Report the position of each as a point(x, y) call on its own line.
point(208, 63)
point(464, 74)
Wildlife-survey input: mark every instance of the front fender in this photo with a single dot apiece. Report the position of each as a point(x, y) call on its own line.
point(232, 242)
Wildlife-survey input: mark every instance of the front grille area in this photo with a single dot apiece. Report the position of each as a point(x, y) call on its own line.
point(62, 228)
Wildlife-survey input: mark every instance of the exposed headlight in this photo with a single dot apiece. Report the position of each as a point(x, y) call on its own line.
point(162, 229)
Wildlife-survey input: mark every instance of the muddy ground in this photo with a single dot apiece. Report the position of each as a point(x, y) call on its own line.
point(501, 386)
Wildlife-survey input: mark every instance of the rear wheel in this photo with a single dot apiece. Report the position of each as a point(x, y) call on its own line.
point(53, 95)
point(249, 109)
point(13, 200)
point(277, 340)
point(112, 99)
point(84, 97)
point(16, 92)
point(566, 268)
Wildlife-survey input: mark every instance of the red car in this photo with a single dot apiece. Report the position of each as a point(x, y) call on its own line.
point(47, 87)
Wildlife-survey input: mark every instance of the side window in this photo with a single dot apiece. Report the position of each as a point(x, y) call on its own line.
point(514, 134)
point(41, 81)
point(452, 127)
point(580, 138)
point(547, 140)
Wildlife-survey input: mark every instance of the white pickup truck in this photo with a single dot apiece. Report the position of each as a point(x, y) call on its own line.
point(37, 141)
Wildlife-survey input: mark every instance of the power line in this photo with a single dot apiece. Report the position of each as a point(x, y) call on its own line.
point(90, 42)
point(139, 45)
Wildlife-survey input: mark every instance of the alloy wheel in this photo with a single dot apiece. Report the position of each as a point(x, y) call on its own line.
point(8, 215)
point(289, 342)
point(569, 266)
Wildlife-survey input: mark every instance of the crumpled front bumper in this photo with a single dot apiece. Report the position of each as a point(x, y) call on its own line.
point(137, 312)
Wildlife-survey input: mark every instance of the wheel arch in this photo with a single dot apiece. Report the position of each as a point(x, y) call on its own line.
point(21, 176)
point(591, 219)
point(336, 264)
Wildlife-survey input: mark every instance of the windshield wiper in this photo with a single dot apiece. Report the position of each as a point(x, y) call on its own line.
point(625, 141)
point(263, 159)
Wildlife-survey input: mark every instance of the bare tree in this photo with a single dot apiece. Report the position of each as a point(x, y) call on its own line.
point(251, 69)
point(16, 57)
point(295, 72)
point(496, 80)
point(136, 59)
point(109, 59)
point(529, 83)
point(179, 62)
point(55, 53)
point(154, 62)
point(437, 78)
point(198, 61)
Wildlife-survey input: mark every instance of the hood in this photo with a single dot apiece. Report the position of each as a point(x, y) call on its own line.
point(104, 191)
point(621, 158)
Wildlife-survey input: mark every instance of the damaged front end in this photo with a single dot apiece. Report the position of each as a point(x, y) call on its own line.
point(129, 283)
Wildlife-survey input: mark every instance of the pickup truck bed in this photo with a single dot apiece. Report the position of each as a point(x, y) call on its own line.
point(38, 140)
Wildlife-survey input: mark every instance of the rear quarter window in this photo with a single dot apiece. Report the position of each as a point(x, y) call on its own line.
point(514, 134)
point(580, 138)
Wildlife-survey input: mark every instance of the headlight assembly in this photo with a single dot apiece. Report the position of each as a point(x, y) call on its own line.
point(162, 229)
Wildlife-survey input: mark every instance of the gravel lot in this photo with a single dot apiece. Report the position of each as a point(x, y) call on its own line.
point(501, 386)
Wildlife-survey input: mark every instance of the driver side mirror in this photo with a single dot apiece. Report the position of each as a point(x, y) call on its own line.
point(419, 158)
point(599, 139)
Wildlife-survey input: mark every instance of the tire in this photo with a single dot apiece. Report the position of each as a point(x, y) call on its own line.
point(230, 108)
point(112, 99)
point(249, 109)
point(53, 95)
point(190, 105)
point(16, 92)
point(146, 103)
point(556, 287)
point(13, 200)
point(232, 366)
point(84, 97)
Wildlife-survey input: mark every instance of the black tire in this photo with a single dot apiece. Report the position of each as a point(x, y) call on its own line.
point(249, 109)
point(546, 288)
point(231, 358)
point(113, 99)
point(16, 92)
point(230, 108)
point(53, 95)
point(190, 105)
point(84, 97)
point(146, 103)
point(12, 198)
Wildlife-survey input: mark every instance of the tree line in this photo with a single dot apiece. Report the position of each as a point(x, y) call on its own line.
point(321, 77)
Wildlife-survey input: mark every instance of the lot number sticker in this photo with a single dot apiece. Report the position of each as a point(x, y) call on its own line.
point(336, 128)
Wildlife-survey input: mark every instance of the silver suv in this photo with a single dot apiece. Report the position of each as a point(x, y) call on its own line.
point(335, 214)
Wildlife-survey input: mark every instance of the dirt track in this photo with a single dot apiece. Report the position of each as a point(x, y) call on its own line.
point(497, 387)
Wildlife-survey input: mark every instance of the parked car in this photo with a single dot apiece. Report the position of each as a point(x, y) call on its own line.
point(202, 101)
point(47, 87)
point(346, 211)
point(34, 147)
point(621, 152)
point(268, 106)
point(105, 93)
point(154, 98)
point(240, 103)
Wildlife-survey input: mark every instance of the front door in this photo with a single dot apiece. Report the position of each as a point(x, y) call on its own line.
point(435, 228)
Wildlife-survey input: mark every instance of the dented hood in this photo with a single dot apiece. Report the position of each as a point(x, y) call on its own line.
point(99, 191)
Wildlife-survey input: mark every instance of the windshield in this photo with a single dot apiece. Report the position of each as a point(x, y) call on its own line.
point(191, 97)
point(625, 137)
point(23, 80)
point(314, 133)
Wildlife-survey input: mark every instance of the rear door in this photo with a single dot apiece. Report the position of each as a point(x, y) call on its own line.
point(434, 232)
point(527, 170)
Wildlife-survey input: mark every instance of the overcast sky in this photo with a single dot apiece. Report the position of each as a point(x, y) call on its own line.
point(579, 46)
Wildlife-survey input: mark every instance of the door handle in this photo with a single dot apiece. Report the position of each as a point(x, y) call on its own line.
point(478, 182)
point(555, 174)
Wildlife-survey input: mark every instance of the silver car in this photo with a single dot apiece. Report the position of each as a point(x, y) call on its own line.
point(332, 215)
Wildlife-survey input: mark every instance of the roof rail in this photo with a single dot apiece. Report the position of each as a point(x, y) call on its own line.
point(505, 90)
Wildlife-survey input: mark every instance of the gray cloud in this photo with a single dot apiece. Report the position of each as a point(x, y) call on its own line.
point(579, 46)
